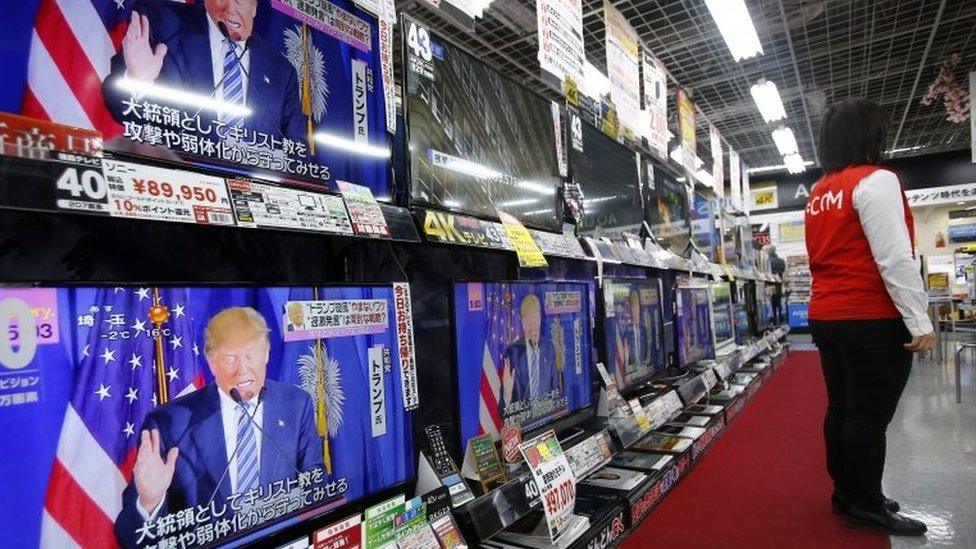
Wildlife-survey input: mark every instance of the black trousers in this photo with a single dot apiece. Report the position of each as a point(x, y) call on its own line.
point(865, 367)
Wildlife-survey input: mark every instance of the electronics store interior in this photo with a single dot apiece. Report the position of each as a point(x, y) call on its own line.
point(463, 273)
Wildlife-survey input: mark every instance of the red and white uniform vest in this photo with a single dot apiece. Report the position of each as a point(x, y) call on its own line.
point(846, 282)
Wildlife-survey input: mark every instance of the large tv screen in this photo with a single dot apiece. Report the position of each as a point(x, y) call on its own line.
point(764, 305)
point(607, 174)
point(695, 336)
point(743, 323)
point(666, 209)
point(703, 232)
point(123, 410)
point(523, 354)
point(478, 142)
point(281, 87)
point(633, 325)
point(722, 313)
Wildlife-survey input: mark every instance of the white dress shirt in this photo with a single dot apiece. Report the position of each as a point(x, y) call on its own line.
point(230, 412)
point(218, 50)
point(876, 197)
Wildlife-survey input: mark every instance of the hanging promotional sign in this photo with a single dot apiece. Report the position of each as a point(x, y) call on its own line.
point(718, 169)
point(686, 122)
point(735, 181)
point(656, 103)
point(560, 28)
point(764, 198)
point(622, 67)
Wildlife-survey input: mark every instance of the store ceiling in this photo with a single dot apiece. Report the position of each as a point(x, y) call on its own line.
point(815, 51)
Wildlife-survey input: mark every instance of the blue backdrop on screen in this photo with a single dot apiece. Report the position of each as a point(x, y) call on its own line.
point(103, 364)
point(505, 327)
point(73, 45)
point(695, 338)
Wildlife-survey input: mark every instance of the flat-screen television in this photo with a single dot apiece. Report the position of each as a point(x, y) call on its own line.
point(764, 298)
point(743, 323)
point(763, 307)
point(693, 313)
point(730, 239)
point(523, 354)
point(666, 209)
point(478, 141)
point(607, 173)
point(300, 96)
point(723, 314)
point(703, 232)
point(102, 385)
point(633, 329)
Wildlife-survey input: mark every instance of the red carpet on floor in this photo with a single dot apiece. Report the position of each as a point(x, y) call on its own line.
point(764, 483)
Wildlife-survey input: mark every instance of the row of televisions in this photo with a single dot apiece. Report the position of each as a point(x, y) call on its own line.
point(473, 142)
point(524, 354)
point(479, 142)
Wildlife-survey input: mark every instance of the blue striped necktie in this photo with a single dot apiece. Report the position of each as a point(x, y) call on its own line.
point(233, 86)
point(247, 453)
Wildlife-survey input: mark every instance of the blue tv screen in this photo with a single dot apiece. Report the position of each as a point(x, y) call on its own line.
point(633, 329)
point(695, 339)
point(120, 404)
point(523, 354)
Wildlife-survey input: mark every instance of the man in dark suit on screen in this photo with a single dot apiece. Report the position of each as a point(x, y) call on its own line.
point(530, 362)
point(635, 333)
point(258, 431)
point(210, 50)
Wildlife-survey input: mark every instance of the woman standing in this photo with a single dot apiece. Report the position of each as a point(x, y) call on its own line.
point(868, 308)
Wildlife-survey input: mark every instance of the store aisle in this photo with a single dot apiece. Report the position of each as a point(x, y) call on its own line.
point(764, 483)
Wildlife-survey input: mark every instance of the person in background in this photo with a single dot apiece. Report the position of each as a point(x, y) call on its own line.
point(778, 267)
point(868, 308)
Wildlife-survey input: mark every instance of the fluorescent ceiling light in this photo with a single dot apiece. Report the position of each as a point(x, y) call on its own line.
point(468, 167)
point(904, 149)
point(776, 167)
point(451, 203)
point(518, 202)
point(181, 97)
point(767, 99)
point(348, 145)
point(537, 188)
point(736, 27)
point(785, 141)
point(794, 163)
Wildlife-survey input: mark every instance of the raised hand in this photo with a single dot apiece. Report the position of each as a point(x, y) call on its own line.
point(141, 62)
point(508, 381)
point(152, 473)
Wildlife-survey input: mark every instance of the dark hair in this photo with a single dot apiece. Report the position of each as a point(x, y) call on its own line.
point(852, 132)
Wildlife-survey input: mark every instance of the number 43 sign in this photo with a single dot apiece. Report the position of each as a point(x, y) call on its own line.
point(555, 479)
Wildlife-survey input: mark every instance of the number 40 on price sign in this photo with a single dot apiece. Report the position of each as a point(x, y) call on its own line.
point(554, 477)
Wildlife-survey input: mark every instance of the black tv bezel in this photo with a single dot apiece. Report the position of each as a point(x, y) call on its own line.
point(730, 341)
point(635, 386)
point(683, 361)
point(559, 424)
point(406, 198)
point(638, 158)
point(293, 522)
point(666, 173)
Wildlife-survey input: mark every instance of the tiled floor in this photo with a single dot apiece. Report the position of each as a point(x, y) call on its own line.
point(931, 467)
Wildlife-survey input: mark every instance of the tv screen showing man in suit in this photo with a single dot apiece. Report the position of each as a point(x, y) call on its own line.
point(198, 416)
point(523, 353)
point(632, 329)
point(293, 89)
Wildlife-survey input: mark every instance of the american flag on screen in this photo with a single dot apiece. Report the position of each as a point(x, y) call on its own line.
point(114, 389)
point(498, 302)
point(70, 55)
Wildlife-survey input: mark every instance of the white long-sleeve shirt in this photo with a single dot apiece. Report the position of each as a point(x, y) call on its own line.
point(875, 198)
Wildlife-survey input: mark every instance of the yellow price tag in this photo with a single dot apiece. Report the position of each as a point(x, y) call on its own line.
point(571, 91)
point(528, 251)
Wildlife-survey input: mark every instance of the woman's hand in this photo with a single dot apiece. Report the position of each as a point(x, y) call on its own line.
point(922, 343)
